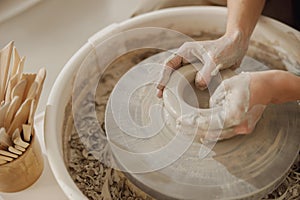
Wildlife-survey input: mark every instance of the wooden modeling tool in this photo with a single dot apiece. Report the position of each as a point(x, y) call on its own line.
point(19, 148)
point(8, 154)
point(27, 130)
point(5, 140)
point(19, 89)
point(3, 111)
point(17, 139)
point(21, 117)
point(14, 150)
point(5, 55)
point(11, 111)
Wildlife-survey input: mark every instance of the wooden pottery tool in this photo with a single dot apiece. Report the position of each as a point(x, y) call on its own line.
point(2, 162)
point(31, 113)
point(17, 139)
point(19, 148)
point(21, 116)
point(11, 111)
point(11, 84)
point(5, 55)
point(31, 86)
point(6, 158)
point(15, 79)
point(21, 160)
point(14, 150)
point(19, 89)
point(5, 140)
point(3, 110)
point(9, 154)
point(27, 130)
point(16, 61)
point(40, 78)
point(23, 171)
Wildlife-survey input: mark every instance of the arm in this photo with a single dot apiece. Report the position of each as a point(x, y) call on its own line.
point(241, 20)
point(274, 86)
point(225, 52)
point(242, 17)
point(246, 95)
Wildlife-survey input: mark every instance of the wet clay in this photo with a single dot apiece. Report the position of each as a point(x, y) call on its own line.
point(98, 181)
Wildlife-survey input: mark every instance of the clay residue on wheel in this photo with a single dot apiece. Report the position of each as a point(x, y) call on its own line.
point(98, 181)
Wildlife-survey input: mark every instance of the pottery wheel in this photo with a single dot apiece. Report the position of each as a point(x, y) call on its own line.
point(167, 164)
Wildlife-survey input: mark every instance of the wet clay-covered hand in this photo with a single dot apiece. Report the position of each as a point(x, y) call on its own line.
point(225, 52)
point(232, 112)
point(239, 112)
point(238, 103)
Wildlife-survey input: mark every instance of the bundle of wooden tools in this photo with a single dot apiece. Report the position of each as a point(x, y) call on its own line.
point(19, 97)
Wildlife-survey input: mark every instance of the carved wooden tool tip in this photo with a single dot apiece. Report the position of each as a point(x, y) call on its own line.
point(17, 139)
point(11, 111)
point(32, 112)
point(31, 88)
point(27, 130)
point(14, 150)
point(2, 162)
point(7, 153)
point(19, 89)
point(5, 140)
point(3, 111)
point(21, 116)
point(20, 148)
point(5, 55)
point(6, 158)
point(16, 61)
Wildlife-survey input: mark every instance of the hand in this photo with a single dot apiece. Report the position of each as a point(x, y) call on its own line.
point(225, 52)
point(237, 109)
point(236, 97)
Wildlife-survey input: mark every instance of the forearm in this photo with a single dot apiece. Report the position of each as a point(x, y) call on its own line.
point(287, 87)
point(274, 86)
point(242, 16)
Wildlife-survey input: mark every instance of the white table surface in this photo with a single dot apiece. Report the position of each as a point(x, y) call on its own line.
point(48, 34)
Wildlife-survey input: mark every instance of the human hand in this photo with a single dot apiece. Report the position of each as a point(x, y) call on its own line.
point(236, 97)
point(225, 52)
point(237, 109)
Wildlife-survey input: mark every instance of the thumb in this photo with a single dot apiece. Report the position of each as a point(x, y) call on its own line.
point(172, 63)
point(203, 76)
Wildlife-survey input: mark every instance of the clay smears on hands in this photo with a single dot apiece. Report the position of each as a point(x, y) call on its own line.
point(215, 55)
point(172, 63)
point(229, 105)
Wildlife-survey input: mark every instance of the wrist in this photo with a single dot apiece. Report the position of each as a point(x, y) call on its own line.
point(238, 37)
point(260, 89)
point(285, 86)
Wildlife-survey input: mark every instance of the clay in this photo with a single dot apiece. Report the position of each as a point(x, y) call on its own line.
point(229, 163)
point(81, 163)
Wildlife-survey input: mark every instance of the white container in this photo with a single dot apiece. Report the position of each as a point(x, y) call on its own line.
point(191, 20)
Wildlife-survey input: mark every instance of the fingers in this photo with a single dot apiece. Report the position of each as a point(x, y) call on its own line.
point(164, 78)
point(216, 135)
point(172, 64)
point(204, 76)
point(182, 56)
point(253, 116)
point(218, 97)
point(236, 65)
point(190, 123)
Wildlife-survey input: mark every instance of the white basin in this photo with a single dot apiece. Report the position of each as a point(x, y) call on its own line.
point(189, 20)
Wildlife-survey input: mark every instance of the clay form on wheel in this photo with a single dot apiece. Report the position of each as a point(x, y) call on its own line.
point(167, 163)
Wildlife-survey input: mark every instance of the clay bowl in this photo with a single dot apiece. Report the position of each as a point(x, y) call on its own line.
point(272, 43)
